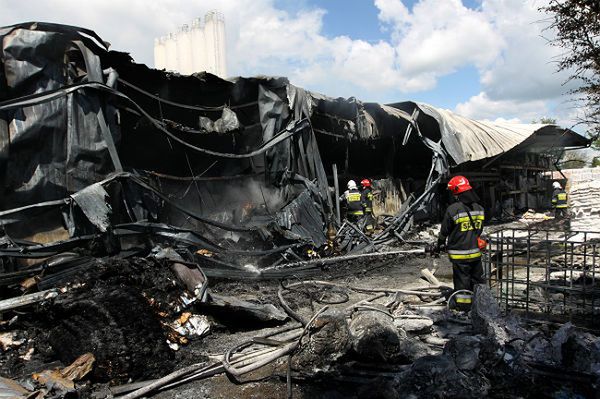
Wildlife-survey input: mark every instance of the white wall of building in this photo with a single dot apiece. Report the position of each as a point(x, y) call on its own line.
point(196, 49)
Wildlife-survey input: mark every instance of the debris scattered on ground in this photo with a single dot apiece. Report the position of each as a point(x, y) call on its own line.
point(192, 233)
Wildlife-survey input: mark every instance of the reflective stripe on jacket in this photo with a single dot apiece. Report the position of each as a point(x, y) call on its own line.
point(559, 199)
point(461, 232)
point(464, 254)
point(353, 200)
point(464, 299)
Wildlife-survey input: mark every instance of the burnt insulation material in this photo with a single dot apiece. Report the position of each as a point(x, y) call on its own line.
point(119, 327)
point(115, 315)
point(148, 276)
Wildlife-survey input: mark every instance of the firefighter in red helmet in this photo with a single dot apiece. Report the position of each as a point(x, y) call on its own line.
point(460, 234)
point(367, 203)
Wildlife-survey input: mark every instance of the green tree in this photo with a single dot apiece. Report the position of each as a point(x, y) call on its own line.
point(545, 121)
point(577, 27)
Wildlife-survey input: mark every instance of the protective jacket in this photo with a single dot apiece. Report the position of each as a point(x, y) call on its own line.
point(559, 198)
point(367, 200)
point(462, 232)
point(353, 200)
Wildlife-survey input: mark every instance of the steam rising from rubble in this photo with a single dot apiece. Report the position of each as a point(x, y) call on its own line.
point(251, 198)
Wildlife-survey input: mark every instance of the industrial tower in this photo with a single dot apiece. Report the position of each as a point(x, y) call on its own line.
point(198, 48)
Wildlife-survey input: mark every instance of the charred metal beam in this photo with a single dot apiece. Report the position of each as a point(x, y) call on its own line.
point(337, 194)
point(34, 99)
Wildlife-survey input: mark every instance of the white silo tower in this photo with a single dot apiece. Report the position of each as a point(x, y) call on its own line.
point(195, 49)
point(171, 52)
point(198, 46)
point(214, 31)
point(184, 50)
point(221, 46)
point(159, 53)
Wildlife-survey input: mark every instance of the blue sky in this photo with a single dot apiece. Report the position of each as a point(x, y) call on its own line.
point(461, 87)
point(482, 59)
point(358, 19)
point(355, 18)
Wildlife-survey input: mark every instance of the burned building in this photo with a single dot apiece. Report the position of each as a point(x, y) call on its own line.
point(246, 157)
point(396, 141)
point(130, 185)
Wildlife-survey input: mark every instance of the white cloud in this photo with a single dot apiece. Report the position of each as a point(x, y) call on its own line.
point(521, 82)
point(432, 40)
point(350, 62)
point(565, 110)
point(503, 120)
point(483, 107)
point(439, 37)
point(527, 68)
point(393, 12)
point(501, 39)
point(275, 36)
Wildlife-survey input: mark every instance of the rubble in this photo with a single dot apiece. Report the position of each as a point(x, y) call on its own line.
point(119, 327)
point(161, 230)
point(576, 350)
point(415, 324)
point(13, 389)
point(438, 376)
point(375, 337)
point(15, 303)
point(244, 311)
point(442, 360)
point(329, 338)
point(10, 340)
point(488, 320)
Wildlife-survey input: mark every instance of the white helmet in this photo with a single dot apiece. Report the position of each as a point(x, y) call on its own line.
point(556, 185)
point(351, 185)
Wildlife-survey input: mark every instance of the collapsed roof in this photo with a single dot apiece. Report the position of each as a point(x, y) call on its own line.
point(94, 143)
point(471, 140)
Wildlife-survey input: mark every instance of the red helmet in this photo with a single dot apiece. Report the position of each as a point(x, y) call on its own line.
point(459, 184)
point(365, 183)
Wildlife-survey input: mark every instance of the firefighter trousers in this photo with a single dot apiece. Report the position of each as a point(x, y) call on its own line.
point(560, 213)
point(466, 275)
point(369, 222)
point(354, 219)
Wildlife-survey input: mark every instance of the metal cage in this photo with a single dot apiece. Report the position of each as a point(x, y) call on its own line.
point(547, 274)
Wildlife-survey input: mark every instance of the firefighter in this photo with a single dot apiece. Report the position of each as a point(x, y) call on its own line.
point(353, 200)
point(462, 227)
point(367, 202)
point(559, 201)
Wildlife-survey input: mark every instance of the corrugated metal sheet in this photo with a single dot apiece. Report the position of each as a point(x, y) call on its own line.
point(471, 140)
point(463, 139)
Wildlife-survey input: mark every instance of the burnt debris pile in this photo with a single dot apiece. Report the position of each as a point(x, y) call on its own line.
point(134, 318)
point(127, 190)
point(119, 327)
